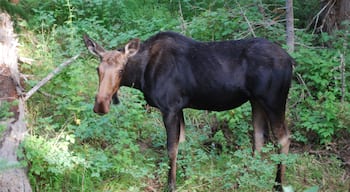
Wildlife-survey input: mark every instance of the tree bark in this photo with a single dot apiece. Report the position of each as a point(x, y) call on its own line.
point(290, 25)
point(11, 179)
point(333, 14)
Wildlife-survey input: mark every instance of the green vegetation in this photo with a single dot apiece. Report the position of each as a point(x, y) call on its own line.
point(72, 149)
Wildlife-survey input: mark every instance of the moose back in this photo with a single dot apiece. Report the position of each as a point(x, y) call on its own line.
point(176, 72)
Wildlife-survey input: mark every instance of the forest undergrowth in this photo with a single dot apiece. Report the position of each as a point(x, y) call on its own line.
point(69, 148)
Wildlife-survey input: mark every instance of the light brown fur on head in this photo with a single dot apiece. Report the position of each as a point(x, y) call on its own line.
point(110, 71)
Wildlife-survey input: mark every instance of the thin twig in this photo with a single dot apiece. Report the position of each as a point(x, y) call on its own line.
point(182, 20)
point(49, 76)
point(317, 16)
point(301, 80)
point(328, 11)
point(342, 71)
point(25, 60)
point(246, 19)
point(7, 98)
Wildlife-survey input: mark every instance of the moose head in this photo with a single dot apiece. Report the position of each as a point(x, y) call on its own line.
point(110, 70)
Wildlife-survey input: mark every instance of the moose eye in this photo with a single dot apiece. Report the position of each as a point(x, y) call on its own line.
point(121, 71)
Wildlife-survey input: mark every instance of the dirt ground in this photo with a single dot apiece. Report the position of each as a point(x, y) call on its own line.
point(342, 149)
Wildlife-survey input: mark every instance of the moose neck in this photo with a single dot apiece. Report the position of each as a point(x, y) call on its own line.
point(133, 72)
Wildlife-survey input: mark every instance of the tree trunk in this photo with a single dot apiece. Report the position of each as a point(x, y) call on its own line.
point(333, 14)
point(13, 178)
point(290, 25)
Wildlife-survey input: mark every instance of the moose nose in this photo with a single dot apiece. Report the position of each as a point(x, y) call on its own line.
point(102, 104)
point(98, 110)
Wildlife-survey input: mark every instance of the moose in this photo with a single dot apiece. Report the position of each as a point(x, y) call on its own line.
point(175, 72)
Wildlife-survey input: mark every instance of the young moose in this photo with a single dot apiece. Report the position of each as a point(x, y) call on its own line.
point(175, 72)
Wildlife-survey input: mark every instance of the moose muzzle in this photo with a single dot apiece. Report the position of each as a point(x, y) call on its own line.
point(102, 104)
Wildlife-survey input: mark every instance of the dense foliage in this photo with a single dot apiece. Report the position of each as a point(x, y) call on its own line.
point(69, 148)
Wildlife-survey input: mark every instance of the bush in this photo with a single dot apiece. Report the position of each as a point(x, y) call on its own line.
point(125, 150)
point(320, 106)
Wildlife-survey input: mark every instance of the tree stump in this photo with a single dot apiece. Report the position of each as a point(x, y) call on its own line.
point(13, 178)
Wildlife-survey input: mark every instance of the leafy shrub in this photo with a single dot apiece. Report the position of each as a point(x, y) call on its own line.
point(52, 158)
point(125, 150)
point(239, 123)
point(50, 155)
point(233, 21)
point(319, 101)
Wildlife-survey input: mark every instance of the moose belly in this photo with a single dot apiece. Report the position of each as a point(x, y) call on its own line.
point(218, 102)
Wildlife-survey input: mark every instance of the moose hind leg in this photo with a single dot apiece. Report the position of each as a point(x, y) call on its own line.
point(284, 142)
point(260, 124)
point(281, 133)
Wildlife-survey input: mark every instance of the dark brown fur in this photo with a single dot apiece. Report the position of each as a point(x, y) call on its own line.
point(175, 72)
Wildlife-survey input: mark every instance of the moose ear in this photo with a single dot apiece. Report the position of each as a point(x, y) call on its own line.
point(132, 47)
point(93, 47)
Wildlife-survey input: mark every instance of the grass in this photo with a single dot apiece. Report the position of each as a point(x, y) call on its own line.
point(211, 173)
point(326, 172)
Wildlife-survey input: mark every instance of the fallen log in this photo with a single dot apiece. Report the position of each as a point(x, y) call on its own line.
point(13, 177)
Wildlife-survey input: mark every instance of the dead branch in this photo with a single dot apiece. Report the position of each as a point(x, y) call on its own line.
point(25, 60)
point(182, 20)
point(342, 71)
point(301, 80)
point(316, 18)
point(49, 76)
point(246, 19)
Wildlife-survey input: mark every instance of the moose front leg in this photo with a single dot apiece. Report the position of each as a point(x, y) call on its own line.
point(172, 122)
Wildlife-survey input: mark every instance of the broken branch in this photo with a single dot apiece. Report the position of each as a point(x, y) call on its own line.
point(49, 76)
